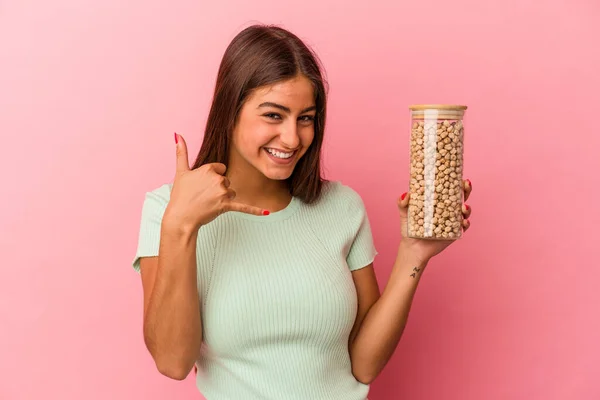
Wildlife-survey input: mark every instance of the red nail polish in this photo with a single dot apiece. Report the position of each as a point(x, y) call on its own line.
point(403, 196)
point(176, 141)
point(266, 212)
point(467, 207)
point(470, 184)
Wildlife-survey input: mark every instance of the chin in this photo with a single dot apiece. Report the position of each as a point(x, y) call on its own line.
point(277, 177)
point(276, 174)
point(276, 169)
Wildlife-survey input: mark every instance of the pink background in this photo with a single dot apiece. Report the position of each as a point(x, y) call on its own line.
point(91, 92)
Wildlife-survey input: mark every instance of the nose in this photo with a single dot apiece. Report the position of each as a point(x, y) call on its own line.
point(289, 135)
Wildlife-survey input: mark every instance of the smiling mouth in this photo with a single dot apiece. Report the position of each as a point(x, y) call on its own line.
point(282, 155)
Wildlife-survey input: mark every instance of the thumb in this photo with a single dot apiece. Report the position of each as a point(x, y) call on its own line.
point(403, 203)
point(182, 155)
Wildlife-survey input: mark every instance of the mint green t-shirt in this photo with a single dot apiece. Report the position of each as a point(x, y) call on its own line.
point(277, 297)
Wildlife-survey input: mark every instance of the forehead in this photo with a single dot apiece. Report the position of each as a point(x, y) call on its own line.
point(296, 91)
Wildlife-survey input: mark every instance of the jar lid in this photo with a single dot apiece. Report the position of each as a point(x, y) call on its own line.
point(437, 111)
point(419, 107)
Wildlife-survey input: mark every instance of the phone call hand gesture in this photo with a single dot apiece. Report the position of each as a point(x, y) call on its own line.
point(199, 196)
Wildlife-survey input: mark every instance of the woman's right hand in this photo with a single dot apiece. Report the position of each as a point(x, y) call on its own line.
point(199, 196)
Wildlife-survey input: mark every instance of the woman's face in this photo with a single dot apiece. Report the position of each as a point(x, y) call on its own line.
point(275, 128)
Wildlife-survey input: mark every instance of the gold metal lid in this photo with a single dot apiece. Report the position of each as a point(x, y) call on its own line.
point(449, 107)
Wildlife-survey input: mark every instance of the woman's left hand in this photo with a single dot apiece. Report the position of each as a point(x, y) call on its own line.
point(424, 249)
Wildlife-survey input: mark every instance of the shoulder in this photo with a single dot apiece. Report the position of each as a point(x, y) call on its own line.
point(338, 194)
point(157, 199)
point(160, 194)
point(338, 201)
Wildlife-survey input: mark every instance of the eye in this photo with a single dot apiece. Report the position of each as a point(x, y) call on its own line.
point(307, 118)
point(273, 116)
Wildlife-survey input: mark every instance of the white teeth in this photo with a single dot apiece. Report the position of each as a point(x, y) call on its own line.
point(280, 154)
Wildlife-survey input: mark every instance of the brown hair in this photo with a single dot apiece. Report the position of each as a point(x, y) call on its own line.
point(261, 55)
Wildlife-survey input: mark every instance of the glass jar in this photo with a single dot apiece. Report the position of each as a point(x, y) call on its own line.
point(436, 172)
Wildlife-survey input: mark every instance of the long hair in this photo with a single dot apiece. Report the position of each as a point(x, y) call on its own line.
point(262, 55)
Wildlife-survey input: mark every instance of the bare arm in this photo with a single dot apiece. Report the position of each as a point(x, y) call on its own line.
point(367, 293)
point(382, 318)
point(172, 322)
point(385, 320)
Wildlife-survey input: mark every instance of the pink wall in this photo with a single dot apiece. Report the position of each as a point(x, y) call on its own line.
point(90, 95)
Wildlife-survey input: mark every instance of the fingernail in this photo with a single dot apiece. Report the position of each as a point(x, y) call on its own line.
point(467, 207)
point(470, 184)
point(266, 212)
point(176, 141)
point(403, 196)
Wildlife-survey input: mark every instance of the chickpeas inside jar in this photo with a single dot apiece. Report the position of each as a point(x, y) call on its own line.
point(436, 172)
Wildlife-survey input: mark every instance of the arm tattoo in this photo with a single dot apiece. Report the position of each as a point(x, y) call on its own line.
point(415, 270)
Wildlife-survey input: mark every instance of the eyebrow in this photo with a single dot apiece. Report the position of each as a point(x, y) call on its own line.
point(284, 108)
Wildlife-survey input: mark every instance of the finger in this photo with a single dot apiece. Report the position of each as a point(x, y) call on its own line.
point(467, 188)
point(182, 155)
point(403, 201)
point(466, 225)
point(226, 183)
point(466, 210)
point(219, 168)
point(231, 194)
point(233, 206)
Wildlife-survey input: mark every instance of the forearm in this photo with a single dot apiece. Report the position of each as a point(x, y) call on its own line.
point(383, 325)
point(172, 325)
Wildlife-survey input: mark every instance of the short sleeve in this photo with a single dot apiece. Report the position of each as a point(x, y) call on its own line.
point(362, 250)
point(153, 209)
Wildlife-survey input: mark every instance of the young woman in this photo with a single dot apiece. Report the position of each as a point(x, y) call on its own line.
point(256, 271)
